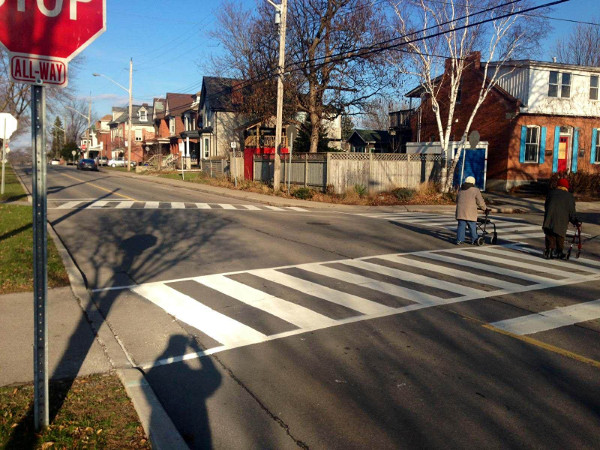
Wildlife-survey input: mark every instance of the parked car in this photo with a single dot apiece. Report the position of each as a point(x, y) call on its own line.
point(55, 162)
point(103, 161)
point(87, 164)
point(116, 162)
point(120, 162)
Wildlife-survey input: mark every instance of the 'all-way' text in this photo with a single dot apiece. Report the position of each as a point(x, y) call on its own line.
point(28, 69)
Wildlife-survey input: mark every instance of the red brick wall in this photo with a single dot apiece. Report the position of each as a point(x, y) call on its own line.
point(494, 120)
point(499, 122)
point(518, 172)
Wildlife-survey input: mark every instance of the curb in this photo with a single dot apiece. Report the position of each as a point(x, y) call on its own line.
point(160, 430)
point(158, 425)
point(280, 201)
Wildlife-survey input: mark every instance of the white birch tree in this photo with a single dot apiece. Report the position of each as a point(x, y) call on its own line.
point(435, 31)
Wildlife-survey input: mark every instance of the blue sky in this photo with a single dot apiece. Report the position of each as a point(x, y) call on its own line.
point(168, 40)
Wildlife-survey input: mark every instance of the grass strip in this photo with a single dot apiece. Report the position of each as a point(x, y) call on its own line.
point(13, 190)
point(16, 252)
point(90, 412)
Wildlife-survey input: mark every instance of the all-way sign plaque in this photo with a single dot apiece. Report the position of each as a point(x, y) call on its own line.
point(36, 70)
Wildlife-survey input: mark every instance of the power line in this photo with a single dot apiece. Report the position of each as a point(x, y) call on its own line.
point(378, 47)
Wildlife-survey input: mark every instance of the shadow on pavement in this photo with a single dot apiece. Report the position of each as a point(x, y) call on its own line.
point(196, 381)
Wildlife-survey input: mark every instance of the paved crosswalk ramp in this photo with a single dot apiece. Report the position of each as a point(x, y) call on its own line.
point(508, 228)
point(120, 205)
point(242, 308)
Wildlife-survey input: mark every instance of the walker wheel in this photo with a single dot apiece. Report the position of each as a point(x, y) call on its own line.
point(480, 241)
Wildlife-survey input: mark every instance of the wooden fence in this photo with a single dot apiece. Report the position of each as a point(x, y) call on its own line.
point(376, 172)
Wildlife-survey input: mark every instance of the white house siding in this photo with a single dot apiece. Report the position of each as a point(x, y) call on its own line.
point(515, 81)
point(579, 103)
point(225, 125)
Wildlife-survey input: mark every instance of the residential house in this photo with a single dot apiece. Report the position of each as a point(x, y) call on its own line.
point(181, 117)
point(369, 141)
point(159, 144)
point(219, 120)
point(142, 130)
point(541, 118)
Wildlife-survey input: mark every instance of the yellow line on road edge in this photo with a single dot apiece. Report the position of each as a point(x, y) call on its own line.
point(550, 348)
point(100, 187)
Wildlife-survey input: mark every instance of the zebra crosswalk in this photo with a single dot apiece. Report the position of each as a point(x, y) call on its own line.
point(120, 205)
point(509, 229)
point(313, 296)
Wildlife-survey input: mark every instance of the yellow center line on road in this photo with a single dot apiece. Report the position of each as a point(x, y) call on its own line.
point(531, 341)
point(548, 347)
point(100, 187)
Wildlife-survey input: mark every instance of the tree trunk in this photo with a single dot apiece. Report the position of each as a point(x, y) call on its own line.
point(314, 132)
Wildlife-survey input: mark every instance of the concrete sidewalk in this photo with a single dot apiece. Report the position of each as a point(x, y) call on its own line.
point(72, 348)
point(499, 202)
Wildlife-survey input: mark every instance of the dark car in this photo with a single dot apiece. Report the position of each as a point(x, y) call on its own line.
point(87, 164)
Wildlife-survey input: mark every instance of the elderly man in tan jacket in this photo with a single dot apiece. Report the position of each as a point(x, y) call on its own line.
point(467, 201)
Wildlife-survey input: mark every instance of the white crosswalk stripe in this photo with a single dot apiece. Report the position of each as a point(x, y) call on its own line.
point(324, 282)
point(549, 320)
point(507, 229)
point(119, 204)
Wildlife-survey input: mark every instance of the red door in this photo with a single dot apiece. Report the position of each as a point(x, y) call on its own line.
point(563, 145)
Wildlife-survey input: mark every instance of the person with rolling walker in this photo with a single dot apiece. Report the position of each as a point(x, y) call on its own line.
point(469, 198)
point(559, 210)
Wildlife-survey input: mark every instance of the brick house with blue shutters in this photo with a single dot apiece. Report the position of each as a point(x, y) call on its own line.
point(541, 118)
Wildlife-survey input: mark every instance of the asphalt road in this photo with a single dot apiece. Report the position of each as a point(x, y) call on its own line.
point(264, 327)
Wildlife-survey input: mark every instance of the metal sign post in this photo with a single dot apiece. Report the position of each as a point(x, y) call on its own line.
point(4, 147)
point(8, 125)
point(233, 147)
point(40, 258)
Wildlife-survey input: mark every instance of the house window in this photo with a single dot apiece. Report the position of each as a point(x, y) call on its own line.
point(206, 148)
point(565, 88)
point(138, 135)
point(172, 125)
point(594, 87)
point(532, 144)
point(143, 115)
point(597, 159)
point(559, 83)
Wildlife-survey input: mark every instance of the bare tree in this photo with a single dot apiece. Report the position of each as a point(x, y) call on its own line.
point(376, 115)
point(435, 32)
point(326, 72)
point(581, 47)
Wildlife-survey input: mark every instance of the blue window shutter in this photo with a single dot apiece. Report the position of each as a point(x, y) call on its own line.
point(555, 150)
point(575, 150)
point(523, 139)
point(542, 145)
point(593, 149)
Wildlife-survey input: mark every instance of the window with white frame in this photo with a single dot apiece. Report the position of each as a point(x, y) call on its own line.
point(532, 144)
point(559, 84)
point(594, 87)
point(138, 135)
point(143, 115)
point(172, 125)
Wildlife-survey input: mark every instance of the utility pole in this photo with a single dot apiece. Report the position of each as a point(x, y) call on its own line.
point(130, 113)
point(282, 10)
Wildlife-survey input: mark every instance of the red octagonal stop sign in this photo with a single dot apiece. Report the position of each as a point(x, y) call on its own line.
point(42, 39)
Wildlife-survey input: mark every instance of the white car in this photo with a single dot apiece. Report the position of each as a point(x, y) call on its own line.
point(116, 162)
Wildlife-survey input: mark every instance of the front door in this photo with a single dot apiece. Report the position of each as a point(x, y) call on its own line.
point(563, 146)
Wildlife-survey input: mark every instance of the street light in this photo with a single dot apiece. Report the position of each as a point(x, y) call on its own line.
point(129, 91)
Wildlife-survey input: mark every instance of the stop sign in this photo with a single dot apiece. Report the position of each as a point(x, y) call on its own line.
point(41, 39)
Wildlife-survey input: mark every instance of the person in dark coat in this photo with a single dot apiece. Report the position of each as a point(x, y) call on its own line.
point(559, 210)
point(468, 199)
